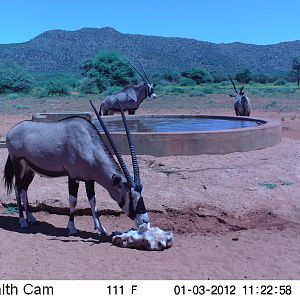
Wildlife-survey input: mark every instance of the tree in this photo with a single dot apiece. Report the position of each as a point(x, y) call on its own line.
point(243, 76)
point(296, 67)
point(197, 74)
point(107, 69)
point(14, 79)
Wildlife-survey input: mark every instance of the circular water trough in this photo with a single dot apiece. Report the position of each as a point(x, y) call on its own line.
point(164, 135)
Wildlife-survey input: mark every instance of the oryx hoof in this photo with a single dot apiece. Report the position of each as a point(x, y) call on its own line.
point(102, 233)
point(72, 229)
point(23, 223)
point(32, 220)
point(73, 233)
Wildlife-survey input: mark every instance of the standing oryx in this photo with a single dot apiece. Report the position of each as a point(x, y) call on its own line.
point(73, 147)
point(130, 97)
point(242, 105)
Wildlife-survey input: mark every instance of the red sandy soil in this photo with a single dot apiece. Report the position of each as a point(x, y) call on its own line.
point(228, 222)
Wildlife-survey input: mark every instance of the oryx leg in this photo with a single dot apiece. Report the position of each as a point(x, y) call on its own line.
point(19, 167)
point(237, 112)
point(131, 111)
point(73, 191)
point(27, 179)
point(90, 191)
point(22, 221)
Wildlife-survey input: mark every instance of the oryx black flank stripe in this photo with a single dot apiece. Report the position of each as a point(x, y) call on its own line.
point(45, 172)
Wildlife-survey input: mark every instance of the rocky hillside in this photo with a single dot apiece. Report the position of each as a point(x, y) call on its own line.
point(62, 51)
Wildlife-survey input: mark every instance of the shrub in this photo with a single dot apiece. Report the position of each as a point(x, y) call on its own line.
point(280, 82)
point(187, 82)
point(56, 87)
point(208, 90)
point(219, 77)
point(198, 75)
point(244, 76)
point(39, 92)
point(14, 79)
point(86, 86)
point(108, 69)
point(262, 78)
point(12, 96)
point(170, 77)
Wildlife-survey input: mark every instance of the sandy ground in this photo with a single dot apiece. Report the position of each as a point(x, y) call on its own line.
point(234, 216)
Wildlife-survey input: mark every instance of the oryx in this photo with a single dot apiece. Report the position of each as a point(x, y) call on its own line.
point(242, 105)
point(130, 97)
point(73, 147)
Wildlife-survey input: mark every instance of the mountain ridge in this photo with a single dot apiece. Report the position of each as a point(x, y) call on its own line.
point(62, 51)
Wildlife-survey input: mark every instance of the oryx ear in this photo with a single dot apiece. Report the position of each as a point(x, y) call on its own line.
point(116, 180)
point(154, 84)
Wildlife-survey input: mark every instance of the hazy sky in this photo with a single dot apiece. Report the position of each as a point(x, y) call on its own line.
point(250, 21)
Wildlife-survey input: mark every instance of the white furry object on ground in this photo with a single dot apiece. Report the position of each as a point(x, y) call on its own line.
point(146, 239)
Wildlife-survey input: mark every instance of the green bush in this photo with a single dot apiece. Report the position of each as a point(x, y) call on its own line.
point(57, 87)
point(208, 90)
point(86, 86)
point(262, 78)
point(12, 96)
point(219, 77)
point(14, 79)
point(243, 76)
point(172, 90)
point(108, 69)
point(39, 92)
point(170, 77)
point(280, 82)
point(198, 75)
point(187, 82)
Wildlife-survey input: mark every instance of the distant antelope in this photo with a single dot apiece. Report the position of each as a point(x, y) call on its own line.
point(73, 147)
point(242, 105)
point(130, 97)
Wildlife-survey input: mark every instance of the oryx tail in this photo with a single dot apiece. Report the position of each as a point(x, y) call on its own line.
point(8, 175)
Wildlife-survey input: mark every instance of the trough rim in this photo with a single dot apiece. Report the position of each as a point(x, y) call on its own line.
point(267, 123)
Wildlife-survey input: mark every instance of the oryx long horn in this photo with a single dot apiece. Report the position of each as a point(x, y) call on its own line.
point(144, 71)
point(241, 90)
point(232, 83)
point(135, 165)
point(114, 147)
point(137, 71)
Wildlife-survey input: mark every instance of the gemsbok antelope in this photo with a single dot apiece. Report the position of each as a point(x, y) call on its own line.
point(130, 97)
point(242, 104)
point(73, 147)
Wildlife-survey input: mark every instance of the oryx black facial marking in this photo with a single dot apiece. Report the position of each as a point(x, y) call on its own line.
point(130, 97)
point(71, 147)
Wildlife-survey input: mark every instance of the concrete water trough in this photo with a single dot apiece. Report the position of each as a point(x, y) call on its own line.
point(165, 135)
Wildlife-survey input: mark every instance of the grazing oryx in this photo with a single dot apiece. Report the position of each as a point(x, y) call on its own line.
point(242, 105)
point(73, 147)
point(130, 97)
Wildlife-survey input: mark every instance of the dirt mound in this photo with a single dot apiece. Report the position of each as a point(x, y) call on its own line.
point(201, 220)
